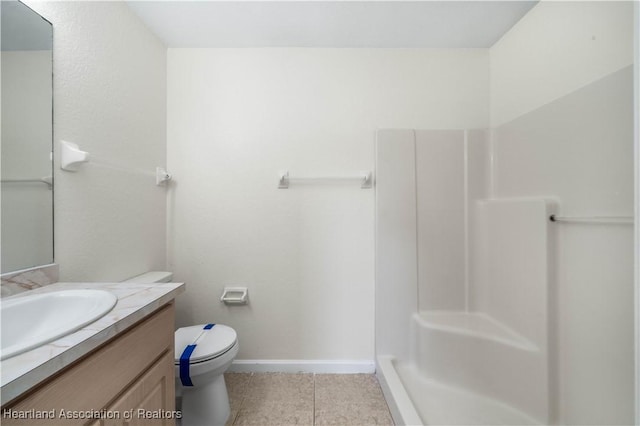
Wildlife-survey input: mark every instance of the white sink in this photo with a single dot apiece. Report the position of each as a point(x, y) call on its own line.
point(31, 321)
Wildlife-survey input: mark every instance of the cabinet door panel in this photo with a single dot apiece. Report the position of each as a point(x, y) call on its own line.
point(150, 400)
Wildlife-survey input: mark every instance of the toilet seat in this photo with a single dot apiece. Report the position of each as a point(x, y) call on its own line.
point(211, 343)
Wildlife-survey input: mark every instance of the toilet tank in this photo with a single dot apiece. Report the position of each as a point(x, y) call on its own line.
point(152, 277)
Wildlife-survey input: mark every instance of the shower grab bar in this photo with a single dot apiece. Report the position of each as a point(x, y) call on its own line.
point(364, 178)
point(48, 180)
point(592, 219)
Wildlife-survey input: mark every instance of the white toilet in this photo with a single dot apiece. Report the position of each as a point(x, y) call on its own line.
point(202, 354)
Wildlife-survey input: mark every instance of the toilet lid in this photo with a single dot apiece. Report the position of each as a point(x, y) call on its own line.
point(213, 342)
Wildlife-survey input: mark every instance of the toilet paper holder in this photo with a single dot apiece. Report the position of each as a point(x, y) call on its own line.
point(235, 296)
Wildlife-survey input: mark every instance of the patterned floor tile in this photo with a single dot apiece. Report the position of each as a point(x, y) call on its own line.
point(353, 417)
point(237, 385)
point(277, 399)
point(339, 391)
point(275, 415)
point(266, 391)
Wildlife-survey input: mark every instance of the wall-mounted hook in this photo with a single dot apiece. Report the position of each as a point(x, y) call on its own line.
point(71, 156)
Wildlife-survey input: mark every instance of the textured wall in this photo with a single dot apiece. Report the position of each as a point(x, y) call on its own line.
point(237, 117)
point(110, 98)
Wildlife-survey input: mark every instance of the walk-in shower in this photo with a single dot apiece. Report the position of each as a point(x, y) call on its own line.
point(487, 310)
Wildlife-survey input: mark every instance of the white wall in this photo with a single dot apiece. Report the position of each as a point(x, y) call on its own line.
point(237, 117)
point(396, 233)
point(556, 48)
point(562, 107)
point(110, 98)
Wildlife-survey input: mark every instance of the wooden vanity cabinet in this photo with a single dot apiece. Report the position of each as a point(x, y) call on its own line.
point(127, 381)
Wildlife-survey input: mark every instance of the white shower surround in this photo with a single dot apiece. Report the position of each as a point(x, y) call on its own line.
point(591, 268)
point(473, 338)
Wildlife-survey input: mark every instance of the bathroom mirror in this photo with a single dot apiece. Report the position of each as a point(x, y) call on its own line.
point(26, 138)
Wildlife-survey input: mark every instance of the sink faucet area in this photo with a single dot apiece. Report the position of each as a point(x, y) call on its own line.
point(33, 320)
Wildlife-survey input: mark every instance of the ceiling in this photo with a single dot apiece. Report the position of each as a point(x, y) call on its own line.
point(393, 24)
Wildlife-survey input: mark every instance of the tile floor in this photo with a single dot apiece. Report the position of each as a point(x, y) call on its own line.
point(269, 399)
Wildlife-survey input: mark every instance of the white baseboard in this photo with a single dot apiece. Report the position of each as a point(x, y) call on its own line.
point(302, 366)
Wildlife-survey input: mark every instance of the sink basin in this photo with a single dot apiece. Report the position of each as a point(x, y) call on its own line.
point(31, 321)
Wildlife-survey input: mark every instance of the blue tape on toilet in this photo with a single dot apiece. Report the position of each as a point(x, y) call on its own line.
point(184, 365)
point(185, 360)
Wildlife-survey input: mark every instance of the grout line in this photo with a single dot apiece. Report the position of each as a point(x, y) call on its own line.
point(244, 394)
point(314, 399)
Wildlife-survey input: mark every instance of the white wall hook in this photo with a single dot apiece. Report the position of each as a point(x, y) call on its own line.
point(71, 156)
point(162, 176)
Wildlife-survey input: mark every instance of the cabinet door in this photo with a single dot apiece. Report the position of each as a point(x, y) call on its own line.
point(150, 400)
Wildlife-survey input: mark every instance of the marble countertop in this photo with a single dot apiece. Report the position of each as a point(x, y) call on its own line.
point(135, 301)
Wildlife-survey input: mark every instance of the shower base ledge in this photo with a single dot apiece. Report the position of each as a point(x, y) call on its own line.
point(440, 404)
point(476, 324)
